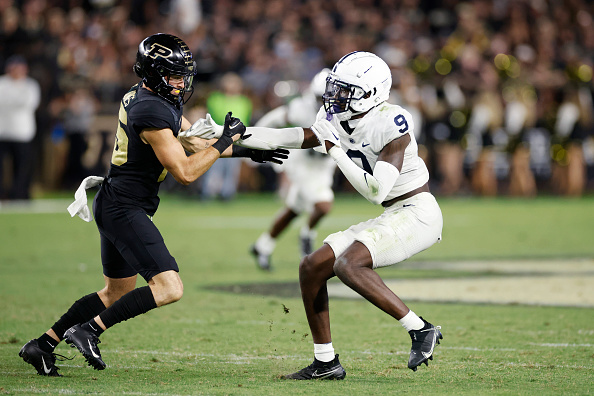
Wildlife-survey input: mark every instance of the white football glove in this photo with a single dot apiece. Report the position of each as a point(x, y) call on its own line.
point(324, 130)
point(204, 128)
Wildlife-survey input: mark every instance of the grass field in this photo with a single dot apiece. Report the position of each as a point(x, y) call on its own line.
point(219, 341)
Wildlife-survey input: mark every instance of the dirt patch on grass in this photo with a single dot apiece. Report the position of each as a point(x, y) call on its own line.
point(552, 283)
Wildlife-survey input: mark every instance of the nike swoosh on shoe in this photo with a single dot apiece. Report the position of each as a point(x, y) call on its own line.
point(428, 354)
point(92, 351)
point(326, 374)
point(45, 369)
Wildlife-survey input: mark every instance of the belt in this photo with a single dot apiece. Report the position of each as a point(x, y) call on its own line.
point(423, 188)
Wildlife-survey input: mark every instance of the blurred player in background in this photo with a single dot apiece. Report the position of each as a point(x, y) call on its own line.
point(309, 175)
point(147, 147)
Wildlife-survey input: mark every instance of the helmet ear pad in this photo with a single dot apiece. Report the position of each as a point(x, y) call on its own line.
point(138, 69)
point(362, 104)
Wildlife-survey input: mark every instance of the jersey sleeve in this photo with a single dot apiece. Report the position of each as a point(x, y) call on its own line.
point(151, 114)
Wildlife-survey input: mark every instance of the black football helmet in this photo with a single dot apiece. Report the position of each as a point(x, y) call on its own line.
point(161, 56)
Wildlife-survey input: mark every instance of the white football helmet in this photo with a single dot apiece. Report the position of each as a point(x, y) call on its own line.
point(318, 83)
point(358, 82)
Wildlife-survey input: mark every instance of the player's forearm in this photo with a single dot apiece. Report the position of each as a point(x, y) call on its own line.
point(374, 188)
point(262, 138)
point(193, 144)
point(194, 166)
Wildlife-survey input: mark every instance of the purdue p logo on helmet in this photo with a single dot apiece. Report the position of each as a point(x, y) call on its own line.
point(157, 50)
point(163, 55)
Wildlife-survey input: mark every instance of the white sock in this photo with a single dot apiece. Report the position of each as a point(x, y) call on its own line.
point(324, 352)
point(266, 244)
point(411, 321)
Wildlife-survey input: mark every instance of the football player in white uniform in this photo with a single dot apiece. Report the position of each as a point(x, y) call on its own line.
point(374, 146)
point(309, 174)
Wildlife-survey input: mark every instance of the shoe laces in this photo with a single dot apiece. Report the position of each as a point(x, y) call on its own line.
point(431, 328)
point(61, 358)
point(413, 333)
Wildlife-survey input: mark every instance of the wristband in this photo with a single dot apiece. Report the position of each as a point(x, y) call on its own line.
point(222, 144)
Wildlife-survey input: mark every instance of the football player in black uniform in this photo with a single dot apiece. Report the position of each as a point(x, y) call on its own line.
point(146, 149)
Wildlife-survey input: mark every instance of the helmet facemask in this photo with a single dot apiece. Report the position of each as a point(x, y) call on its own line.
point(340, 97)
point(159, 82)
point(170, 92)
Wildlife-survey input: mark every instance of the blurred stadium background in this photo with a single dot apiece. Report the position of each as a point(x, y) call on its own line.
point(501, 91)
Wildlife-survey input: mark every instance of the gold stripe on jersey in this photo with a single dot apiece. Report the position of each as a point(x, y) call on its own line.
point(162, 175)
point(120, 149)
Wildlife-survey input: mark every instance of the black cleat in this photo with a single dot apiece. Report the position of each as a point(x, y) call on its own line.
point(44, 362)
point(319, 370)
point(86, 342)
point(423, 342)
point(262, 260)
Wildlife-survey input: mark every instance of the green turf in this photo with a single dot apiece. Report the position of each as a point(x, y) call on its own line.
point(223, 343)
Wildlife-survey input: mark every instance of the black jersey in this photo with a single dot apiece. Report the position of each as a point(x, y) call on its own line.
point(136, 173)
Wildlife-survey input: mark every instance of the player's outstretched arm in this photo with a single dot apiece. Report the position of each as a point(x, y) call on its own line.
point(259, 138)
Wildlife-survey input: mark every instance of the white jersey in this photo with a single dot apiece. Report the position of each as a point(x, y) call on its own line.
point(370, 134)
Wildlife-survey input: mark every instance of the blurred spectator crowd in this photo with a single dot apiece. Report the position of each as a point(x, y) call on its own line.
point(501, 90)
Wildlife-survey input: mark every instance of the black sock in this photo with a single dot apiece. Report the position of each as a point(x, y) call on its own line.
point(47, 343)
point(81, 311)
point(93, 327)
point(134, 303)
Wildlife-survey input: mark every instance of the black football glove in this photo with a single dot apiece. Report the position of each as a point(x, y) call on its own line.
point(233, 126)
point(275, 156)
point(261, 156)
